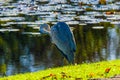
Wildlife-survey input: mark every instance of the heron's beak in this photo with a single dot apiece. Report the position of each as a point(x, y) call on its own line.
point(72, 28)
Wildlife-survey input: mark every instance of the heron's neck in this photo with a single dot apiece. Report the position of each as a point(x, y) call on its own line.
point(44, 31)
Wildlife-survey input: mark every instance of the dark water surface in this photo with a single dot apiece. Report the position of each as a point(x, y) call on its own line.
point(24, 49)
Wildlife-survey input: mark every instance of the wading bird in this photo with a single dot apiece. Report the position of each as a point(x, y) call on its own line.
point(62, 37)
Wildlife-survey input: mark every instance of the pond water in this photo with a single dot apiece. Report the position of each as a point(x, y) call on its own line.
point(24, 49)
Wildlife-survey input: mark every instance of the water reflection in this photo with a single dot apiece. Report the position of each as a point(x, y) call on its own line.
point(28, 53)
point(114, 42)
point(90, 44)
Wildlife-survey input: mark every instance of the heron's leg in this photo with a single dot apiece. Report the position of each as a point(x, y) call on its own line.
point(61, 57)
point(62, 61)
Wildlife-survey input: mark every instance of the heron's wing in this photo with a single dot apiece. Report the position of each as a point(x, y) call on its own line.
point(63, 37)
point(69, 37)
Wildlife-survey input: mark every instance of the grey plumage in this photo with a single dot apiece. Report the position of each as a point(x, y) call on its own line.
point(63, 38)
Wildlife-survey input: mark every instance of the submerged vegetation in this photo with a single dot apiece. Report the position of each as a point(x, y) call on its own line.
point(105, 69)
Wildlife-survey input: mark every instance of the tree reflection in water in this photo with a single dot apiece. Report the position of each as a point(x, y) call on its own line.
point(28, 53)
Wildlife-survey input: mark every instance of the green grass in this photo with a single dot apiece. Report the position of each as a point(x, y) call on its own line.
point(77, 72)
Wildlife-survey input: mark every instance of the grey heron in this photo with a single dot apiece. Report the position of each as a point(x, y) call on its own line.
point(62, 37)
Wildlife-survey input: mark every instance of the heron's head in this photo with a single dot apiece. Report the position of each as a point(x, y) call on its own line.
point(44, 28)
